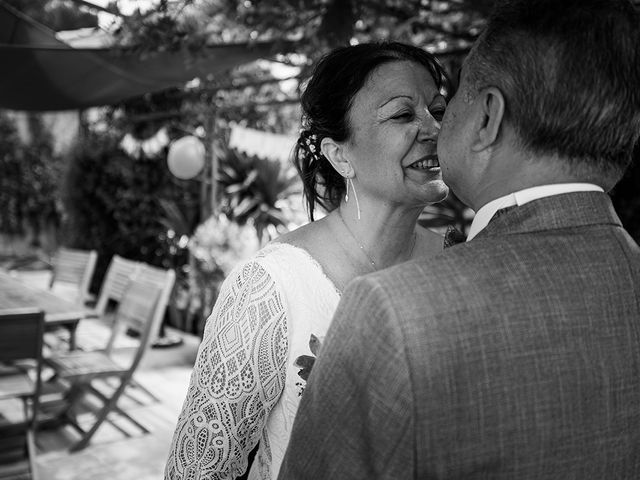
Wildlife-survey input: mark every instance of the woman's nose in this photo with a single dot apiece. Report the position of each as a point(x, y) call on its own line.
point(429, 127)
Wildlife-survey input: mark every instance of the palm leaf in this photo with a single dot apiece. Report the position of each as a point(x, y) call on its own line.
point(173, 218)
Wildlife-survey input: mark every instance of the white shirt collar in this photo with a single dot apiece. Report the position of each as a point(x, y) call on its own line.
point(486, 212)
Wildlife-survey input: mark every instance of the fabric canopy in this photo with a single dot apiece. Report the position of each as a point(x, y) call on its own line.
point(42, 73)
point(261, 144)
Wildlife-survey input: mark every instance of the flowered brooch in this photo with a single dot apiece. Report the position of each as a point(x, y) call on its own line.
point(306, 362)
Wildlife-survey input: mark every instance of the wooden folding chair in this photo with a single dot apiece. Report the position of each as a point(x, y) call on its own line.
point(119, 273)
point(21, 334)
point(122, 269)
point(137, 310)
point(165, 280)
point(72, 273)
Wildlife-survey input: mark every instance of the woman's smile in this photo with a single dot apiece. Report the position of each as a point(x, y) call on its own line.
point(424, 170)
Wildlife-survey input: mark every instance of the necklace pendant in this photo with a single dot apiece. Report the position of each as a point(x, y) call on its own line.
point(357, 242)
point(373, 264)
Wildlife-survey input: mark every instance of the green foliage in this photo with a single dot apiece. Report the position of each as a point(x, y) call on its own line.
point(29, 181)
point(114, 204)
point(163, 29)
point(320, 24)
point(11, 180)
point(252, 189)
point(216, 247)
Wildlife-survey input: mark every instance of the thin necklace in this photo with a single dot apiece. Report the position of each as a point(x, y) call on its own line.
point(359, 243)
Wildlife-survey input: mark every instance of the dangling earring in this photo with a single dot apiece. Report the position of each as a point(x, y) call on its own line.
point(355, 195)
point(346, 197)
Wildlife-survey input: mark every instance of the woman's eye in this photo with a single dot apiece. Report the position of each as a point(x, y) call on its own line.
point(402, 116)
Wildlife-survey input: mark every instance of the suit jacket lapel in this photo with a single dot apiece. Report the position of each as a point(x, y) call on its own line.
point(567, 210)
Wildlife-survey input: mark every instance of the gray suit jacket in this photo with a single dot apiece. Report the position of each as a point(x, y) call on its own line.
point(513, 356)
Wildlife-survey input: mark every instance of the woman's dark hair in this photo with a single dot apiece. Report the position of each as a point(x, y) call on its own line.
point(326, 102)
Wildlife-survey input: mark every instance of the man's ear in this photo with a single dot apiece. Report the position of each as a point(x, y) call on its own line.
point(490, 103)
point(334, 152)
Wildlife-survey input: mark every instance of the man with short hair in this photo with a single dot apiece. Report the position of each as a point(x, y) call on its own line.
point(515, 355)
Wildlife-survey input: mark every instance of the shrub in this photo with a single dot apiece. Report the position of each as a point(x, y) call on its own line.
point(216, 247)
point(29, 193)
point(114, 204)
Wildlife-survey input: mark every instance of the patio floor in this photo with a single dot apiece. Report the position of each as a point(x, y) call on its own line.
point(127, 454)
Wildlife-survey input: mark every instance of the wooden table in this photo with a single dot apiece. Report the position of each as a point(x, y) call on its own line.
point(57, 311)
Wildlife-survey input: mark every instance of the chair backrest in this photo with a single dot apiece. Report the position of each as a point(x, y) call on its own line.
point(21, 334)
point(74, 268)
point(137, 310)
point(165, 279)
point(119, 273)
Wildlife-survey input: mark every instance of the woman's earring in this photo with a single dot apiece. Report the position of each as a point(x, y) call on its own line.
point(346, 197)
point(355, 195)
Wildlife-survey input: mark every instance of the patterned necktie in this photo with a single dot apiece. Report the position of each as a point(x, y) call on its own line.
point(453, 236)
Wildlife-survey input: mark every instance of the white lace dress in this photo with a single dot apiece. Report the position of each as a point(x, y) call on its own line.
point(258, 348)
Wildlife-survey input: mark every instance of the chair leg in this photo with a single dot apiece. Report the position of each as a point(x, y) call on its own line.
point(70, 398)
point(62, 415)
point(72, 336)
point(31, 450)
point(100, 417)
point(117, 409)
point(133, 384)
point(139, 386)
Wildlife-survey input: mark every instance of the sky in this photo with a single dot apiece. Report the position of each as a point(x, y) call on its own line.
point(125, 6)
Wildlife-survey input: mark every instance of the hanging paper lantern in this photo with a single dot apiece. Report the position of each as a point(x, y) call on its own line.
point(186, 157)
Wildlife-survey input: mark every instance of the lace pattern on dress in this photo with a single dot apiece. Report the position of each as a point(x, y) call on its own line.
point(237, 379)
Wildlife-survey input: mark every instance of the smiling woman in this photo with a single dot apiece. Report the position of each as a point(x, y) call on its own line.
point(367, 155)
point(394, 124)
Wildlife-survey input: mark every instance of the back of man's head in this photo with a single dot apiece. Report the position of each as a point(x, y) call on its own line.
point(570, 73)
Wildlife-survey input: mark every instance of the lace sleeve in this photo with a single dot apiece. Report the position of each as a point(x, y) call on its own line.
point(237, 379)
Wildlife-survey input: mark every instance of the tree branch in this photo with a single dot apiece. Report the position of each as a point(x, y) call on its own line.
point(252, 83)
point(402, 14)
point(483, 7)
point(440, 29)
point(269, 103)
point(147, 117)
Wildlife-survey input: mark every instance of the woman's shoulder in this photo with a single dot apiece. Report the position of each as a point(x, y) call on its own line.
point(304, 242)
point(306, 251)
point(286, 256)
point(280, 253)
point(302, 235)
point(270, 261)
point(284, 248)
